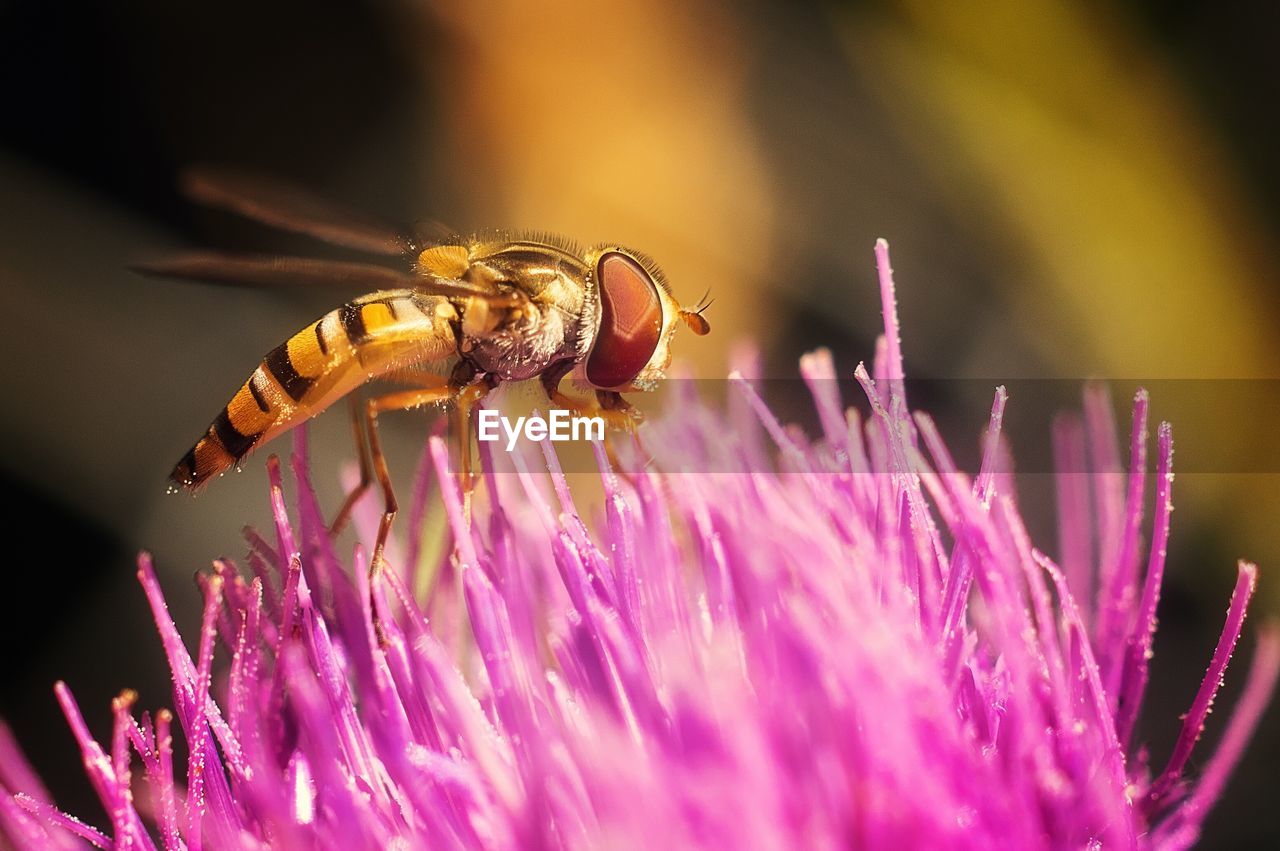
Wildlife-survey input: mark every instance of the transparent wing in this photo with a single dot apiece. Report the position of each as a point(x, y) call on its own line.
point(250, 270)
point(266, 271)
point(287, 207)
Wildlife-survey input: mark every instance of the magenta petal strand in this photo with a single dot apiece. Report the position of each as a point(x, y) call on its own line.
point(745, 637)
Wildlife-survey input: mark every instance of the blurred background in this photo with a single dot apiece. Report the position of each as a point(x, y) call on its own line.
point(1071, 189)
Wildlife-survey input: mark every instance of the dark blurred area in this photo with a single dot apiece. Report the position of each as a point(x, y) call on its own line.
point(1072, 190)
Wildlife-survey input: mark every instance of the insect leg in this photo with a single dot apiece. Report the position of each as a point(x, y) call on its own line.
point(466, 401)
point(618, 413)
point(366, 472)
point(551, 384)
point(428, 382)
point(391, 402)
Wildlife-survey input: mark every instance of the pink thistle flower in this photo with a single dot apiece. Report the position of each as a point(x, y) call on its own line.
point(857, 645)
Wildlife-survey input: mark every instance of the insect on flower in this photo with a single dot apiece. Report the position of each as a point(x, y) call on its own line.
point(473, 311)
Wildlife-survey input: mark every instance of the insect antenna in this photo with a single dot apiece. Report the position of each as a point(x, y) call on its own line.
point(693, 317)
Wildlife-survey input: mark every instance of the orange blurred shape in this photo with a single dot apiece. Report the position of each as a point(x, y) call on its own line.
point(586, 120)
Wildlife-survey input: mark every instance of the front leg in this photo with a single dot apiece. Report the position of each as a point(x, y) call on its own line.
point(551, 384)
point(399, 401)
point(618, 413)
point(473, 390)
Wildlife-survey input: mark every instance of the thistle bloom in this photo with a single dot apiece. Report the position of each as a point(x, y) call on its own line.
point(855, 644)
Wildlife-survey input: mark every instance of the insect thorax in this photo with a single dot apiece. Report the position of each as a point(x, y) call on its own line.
point(523, 346)
point(547, 329)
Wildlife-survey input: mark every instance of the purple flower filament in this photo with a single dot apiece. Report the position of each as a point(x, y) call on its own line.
point(857, 645)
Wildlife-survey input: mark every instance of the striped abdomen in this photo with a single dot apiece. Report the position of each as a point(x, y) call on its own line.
point(363, 339)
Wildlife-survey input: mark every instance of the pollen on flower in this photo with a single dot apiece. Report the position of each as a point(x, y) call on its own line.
point(835, 641)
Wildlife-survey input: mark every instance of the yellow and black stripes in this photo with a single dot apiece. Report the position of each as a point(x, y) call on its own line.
point(281, 366)
point(238, 427)
point(323, 346)
point(299, 378)
point(351, 316)
point(362, 320)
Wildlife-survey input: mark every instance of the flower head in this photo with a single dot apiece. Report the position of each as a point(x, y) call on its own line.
point(855, 644)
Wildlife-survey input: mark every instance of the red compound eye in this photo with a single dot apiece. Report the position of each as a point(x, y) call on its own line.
point(630, 322)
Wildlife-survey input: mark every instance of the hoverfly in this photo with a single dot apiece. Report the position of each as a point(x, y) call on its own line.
point(471, 312)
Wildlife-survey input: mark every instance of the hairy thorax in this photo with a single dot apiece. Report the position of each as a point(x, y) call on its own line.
point(522, 343)
point(522, 346)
